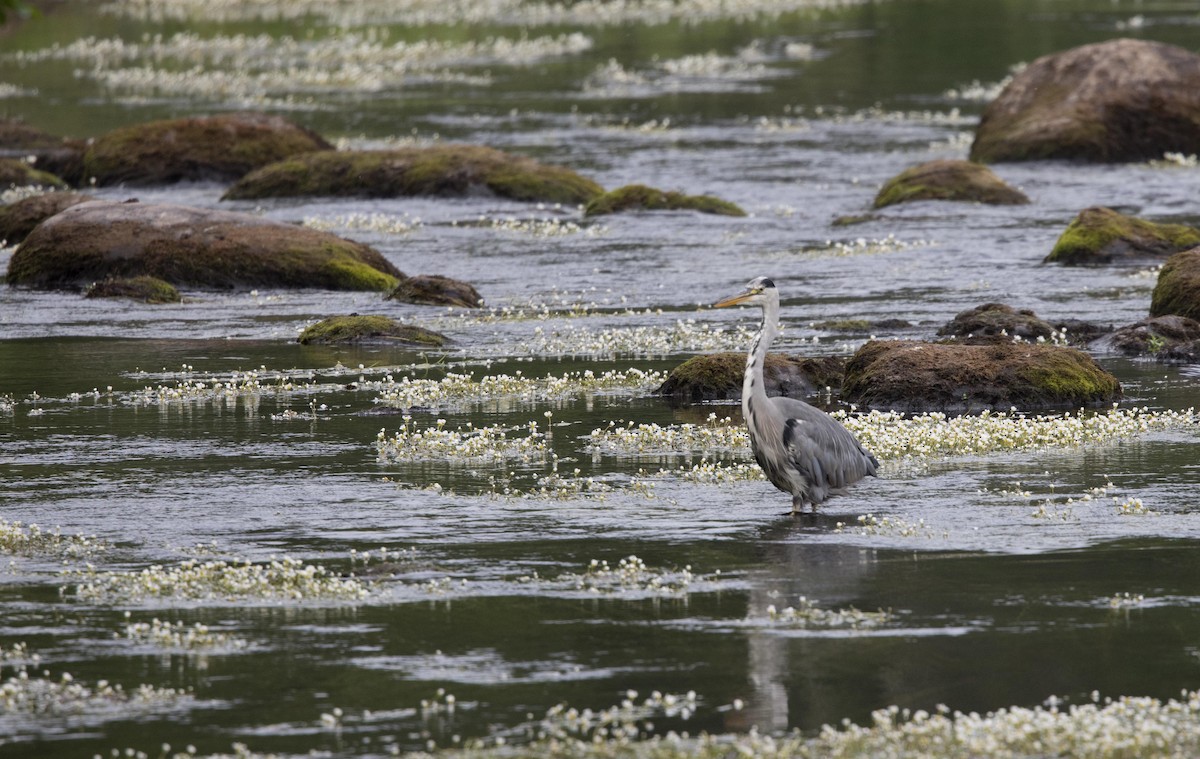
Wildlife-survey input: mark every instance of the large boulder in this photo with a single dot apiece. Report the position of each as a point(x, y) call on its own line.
point(992, 320)
point(369, 329)
point(18, 219)
point(440, 170)
point(1178, 288)
point(220, 148)
point(637, 197)
point(191, 247)
point(435, 290)
point(917, 376)
point(1167, 338)
point(142, 288)
point(1101, 236)
point(718, 376)
point(949, 180)
point(1120, 100)
point(14, 171)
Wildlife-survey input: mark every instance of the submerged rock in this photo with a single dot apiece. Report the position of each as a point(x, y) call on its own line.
point(997, 320)
point(59, 156)
point(637, 197)
point(718, 376)
point(16, 135)
point(222, 148)
point(917, 377)
point(191, 246)
point(434, 290)
point(366, 329)
point(146, 289)
point(1167, 338)
point(1178, 288)
point(18, 219)
point(1120, 100)
point(441, 170)
point(14, 171)
point(949, 180)
point(1101, 235)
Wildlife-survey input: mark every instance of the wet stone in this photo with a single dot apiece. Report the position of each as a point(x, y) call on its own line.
point(435, 290)
point(718, 376)
point(1102, 236)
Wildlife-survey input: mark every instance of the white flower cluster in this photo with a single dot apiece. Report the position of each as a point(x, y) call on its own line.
point(1177, 160)
point(470, 444)
point(14, 193)
point(463, 389)
point(180, 636)
point(869, 524)
point(1126, 600)
point(549, 227)
point(807, 615)
point(657, 440)
point(16, 537)
point(383, 223)
point(23, 693)
point(686, 335)
point(282, 579)
point(631, 574)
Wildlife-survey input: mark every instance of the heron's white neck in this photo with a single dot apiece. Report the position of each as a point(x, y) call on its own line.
point(754, 393)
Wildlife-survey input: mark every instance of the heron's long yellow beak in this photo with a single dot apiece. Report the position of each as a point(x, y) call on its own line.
point(733, 300)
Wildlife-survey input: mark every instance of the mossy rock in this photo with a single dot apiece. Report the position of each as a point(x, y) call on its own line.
point(441, 170)
point(14, 171)
point(637, 197)
point(1120, 100)
point(16, 135)
point(1178, 288)
point(917, 377)
point(193, 247)
point(1102, 235)
point(146, 289)
point(60, 156)
point(718, 376)
point(1167, 338)
point(949, 180)
point(220, 148)
point(997, 320)
point(18, 219)
point(434, 290)
point(369, 329)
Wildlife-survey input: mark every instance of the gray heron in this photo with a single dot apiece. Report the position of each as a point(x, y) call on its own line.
point(802, 450)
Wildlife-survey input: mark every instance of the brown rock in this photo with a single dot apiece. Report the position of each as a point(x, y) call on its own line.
point(718, 376)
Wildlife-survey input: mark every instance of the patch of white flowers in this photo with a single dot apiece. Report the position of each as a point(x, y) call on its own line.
point(629, 575)
point(14, 193)
point(717, 436)
point(16, 537)
point(1177, 160)
point(383, 223)
point(179, 636)
point(281, 579)
point(491, 443)
point(41, 694)
point(463, 389)
point(865, 246)
point(807, 615)
point(686, 335)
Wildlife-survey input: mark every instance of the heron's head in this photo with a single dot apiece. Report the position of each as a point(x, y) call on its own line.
point(757, 291)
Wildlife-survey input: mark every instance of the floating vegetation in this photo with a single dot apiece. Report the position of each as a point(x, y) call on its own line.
point(470, 444)
point(624, 438)
point(1172, 160)
point(15, 193)
point(686, 335)
point(19, 538)
point(18, 652)
point(548, 227)
point(865, 246)
point(807, 615)
point(179, 636)
point(691, 73)
point(383, 223)
point(23, 693)
point(463, 389)
point(283, 579)
point(631, 574)
point(1133, 507)
point(1126, 600)
point(13, 91)
point(895, 527)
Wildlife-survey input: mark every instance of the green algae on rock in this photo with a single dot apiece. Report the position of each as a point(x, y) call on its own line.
point(358, 329)
point(718, 376)
point(191, 247)
point(439, 170)
point(1178, 288)
point(918, 376)
point(223, 147)
point(998, 320)
point(1101, 235)
point(143, 288)
point(1119, 100)
point(435, 290)
point(14, 171)
point(949, 180)
point(18, 219)
point(637, 197)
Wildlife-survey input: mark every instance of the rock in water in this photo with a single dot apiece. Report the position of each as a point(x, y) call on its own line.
point(1178, 288)
point(949, 180)
point(1101, 236)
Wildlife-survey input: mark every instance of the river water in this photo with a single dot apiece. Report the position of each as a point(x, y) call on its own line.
point(154, 436)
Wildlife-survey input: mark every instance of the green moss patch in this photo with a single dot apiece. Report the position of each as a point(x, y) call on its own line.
point(222, 148)
point(1102, 235)
point(18, 219)
point(357, 329)
point(1178, 288)
point(718, 376)
point(145, 289)
point(916, 377)
point(20, 173)
point(948, 180)
point(637, 197)
point(193, 247)
point(434, 290)
point(441, 170)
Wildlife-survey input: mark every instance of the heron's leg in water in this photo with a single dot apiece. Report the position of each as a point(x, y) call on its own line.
point(798, 504)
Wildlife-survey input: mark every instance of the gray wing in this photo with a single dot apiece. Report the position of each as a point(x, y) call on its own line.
point(820, 447)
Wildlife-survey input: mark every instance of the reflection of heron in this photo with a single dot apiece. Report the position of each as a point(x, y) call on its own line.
point(802, 450)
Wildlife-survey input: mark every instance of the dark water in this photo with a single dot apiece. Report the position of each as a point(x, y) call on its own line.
point(991, 603)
